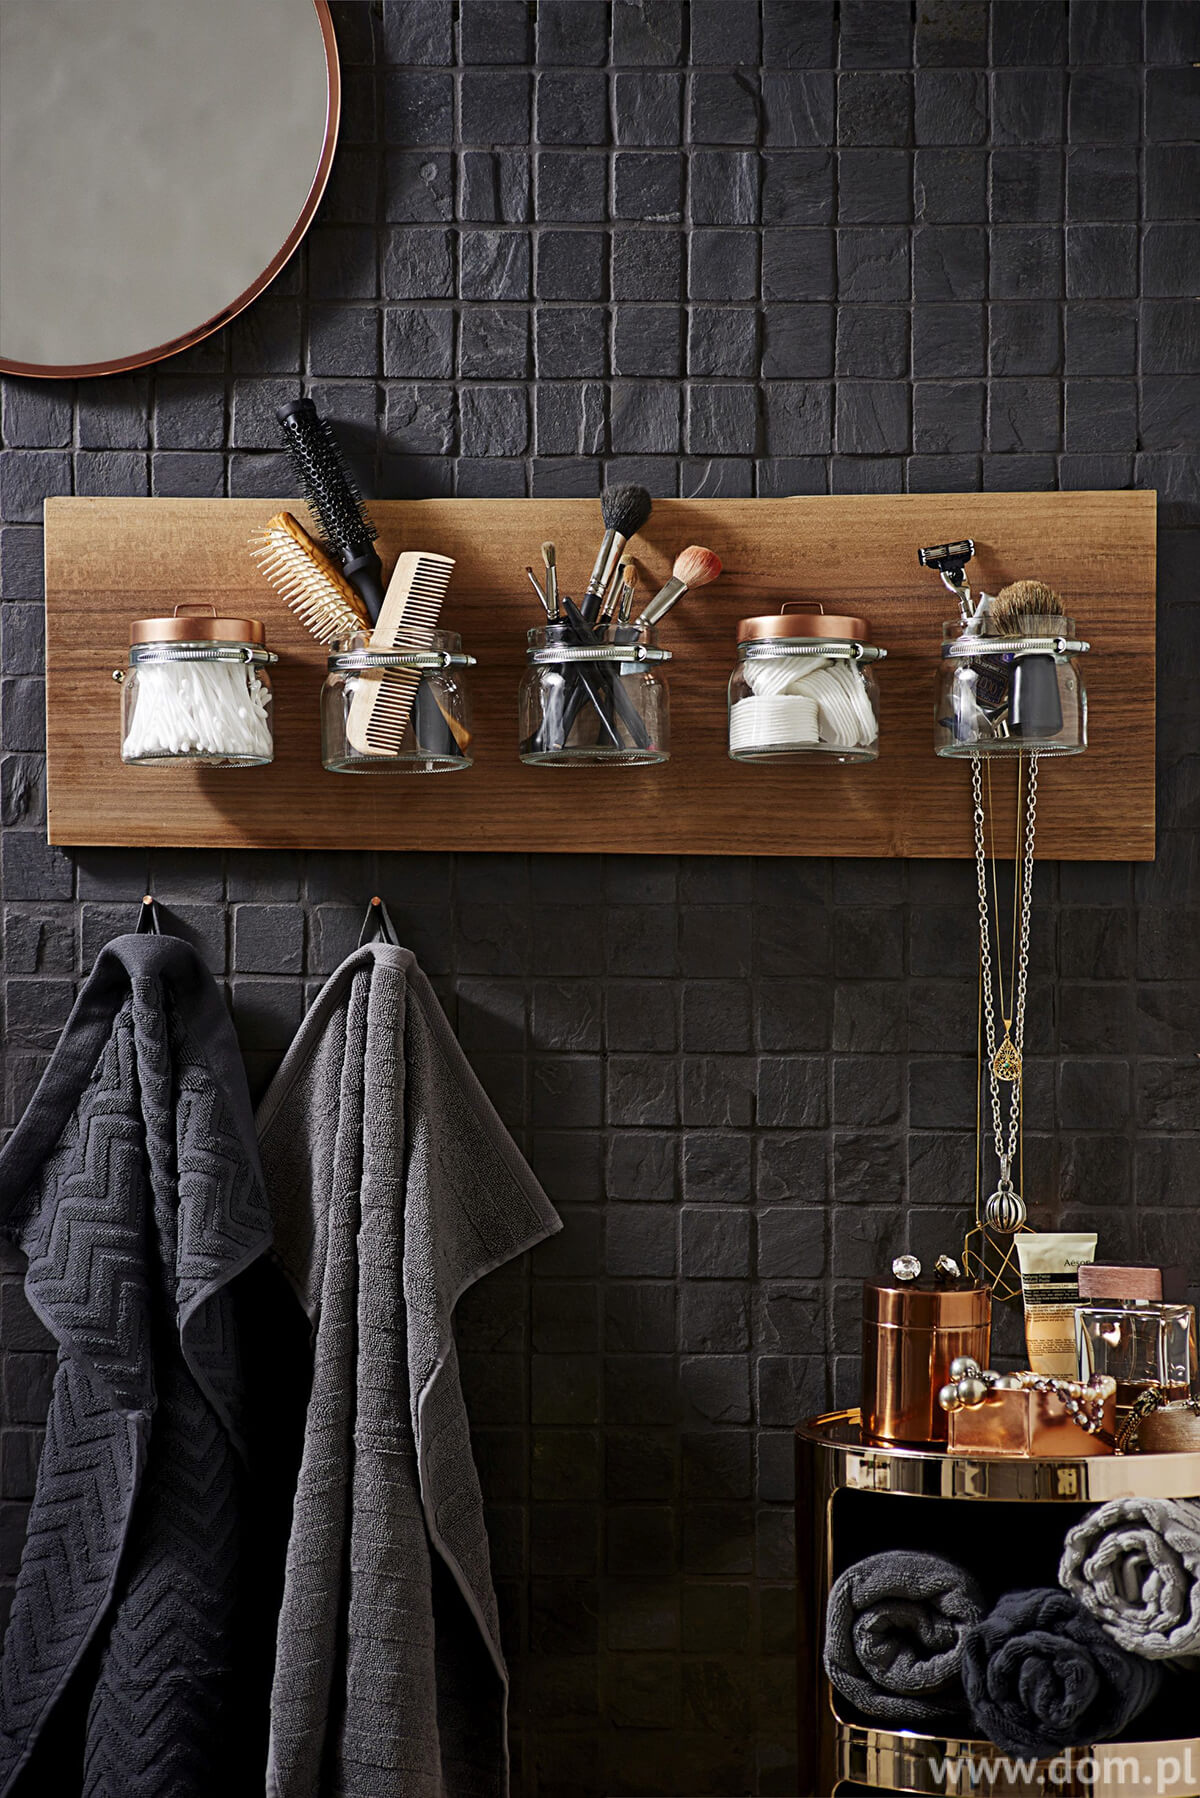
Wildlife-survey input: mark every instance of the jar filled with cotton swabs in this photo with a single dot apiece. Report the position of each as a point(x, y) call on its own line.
point(196, 690)
point(803, 686)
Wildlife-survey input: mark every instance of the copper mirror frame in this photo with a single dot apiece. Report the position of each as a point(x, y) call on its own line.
point(291, 243)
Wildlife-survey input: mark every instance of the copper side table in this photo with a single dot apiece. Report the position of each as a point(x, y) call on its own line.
point(836, 1752)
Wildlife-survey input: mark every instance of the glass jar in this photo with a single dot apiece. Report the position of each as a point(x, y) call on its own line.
point(803, 686)
point(196, 690)
point(599, 701)
point(397, 711)
point(1141, 1344)
point(1010, 695)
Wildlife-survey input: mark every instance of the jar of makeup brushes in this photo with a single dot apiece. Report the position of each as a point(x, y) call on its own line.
point(397, 711)
point(196, 690)
point(804, 686)
point(597, 702)
point(1009, 682)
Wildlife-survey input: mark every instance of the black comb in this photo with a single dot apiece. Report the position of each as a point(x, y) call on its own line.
point(334, 499)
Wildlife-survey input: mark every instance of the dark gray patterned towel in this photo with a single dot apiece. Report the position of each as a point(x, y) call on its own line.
point(894, 1630)
point(132, 1186)
point(394, 1187)
point(1041, 1675)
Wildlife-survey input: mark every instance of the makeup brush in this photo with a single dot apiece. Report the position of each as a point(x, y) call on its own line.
point(694, 567)
point(334, 499)
point(627, 589)
point(537, 587)
point(308, 580)
point(625, 509)
point(1031, 609)
point(611, 608)
point(550, 564)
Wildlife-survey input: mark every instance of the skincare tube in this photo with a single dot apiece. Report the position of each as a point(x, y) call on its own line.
point(1050, 1263)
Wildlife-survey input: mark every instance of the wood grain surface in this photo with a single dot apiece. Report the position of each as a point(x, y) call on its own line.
point(111, 560)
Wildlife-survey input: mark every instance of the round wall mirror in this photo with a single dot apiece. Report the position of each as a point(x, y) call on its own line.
point(160, 160)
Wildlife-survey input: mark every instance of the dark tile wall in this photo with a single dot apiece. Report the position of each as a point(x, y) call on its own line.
point(729, 248)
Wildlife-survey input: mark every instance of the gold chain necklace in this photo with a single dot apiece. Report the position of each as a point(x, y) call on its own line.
point(988, 1250)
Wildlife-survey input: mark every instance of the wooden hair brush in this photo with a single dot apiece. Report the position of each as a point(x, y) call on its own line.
point(306, 576)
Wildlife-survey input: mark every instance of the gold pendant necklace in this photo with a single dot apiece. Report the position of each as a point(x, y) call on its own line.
point(988, 1250)
point(1006, 1062)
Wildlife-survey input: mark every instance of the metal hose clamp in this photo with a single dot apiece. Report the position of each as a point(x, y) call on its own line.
point(833, 649)
point(599, 652)
point(356, 661)
point(971, 648)
point(147, 655)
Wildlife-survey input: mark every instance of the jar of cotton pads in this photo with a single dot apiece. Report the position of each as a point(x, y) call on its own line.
point(803, 686)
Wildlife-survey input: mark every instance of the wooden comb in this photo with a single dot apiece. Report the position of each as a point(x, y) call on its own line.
point(308, 579)
point(382, 705)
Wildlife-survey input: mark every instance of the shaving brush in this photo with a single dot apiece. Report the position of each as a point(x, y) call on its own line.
point(625, 509)
point(1025, 609)
point(694, 567)
point(1031, 609)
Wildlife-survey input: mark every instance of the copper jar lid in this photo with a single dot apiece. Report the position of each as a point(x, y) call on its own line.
point(194, 627)
point(803, 624)
point(963, 1305)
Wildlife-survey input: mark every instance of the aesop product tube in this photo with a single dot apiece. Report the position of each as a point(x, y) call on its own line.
point(1050, 1264)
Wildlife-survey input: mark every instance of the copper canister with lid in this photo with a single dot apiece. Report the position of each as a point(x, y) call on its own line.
point(912, 1331)
point(196, 690)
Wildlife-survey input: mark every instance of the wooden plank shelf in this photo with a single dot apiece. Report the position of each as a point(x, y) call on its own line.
point(111, 560)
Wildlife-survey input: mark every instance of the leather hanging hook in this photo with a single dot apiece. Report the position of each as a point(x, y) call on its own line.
point(148, 918)
point(377, 925)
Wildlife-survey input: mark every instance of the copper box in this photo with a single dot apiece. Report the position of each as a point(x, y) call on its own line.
point(1030, 1423)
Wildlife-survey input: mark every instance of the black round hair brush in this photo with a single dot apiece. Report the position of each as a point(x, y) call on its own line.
point(334, 499)
point(625, 509)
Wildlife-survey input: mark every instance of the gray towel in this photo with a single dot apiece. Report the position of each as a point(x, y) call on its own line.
point(1135, 1564)
point(394, 1187)
point(132, 1186)
point(894, 1630)
point(1041, 1675)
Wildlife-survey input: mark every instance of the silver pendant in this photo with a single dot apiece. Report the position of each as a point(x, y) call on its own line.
point(1005, 1209)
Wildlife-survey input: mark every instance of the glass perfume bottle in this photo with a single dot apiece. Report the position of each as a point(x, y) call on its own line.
point(1141, 1344)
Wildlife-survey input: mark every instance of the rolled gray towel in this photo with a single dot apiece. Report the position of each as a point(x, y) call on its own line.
point(894, 1631)
point(1041, 1675)
point(1135, 1564)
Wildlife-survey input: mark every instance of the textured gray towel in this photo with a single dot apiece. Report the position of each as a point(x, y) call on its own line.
point(394, 1187)
point(894, 1630)
point(132, 1186)
point(1135, 1564)
point(1041, 1675)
